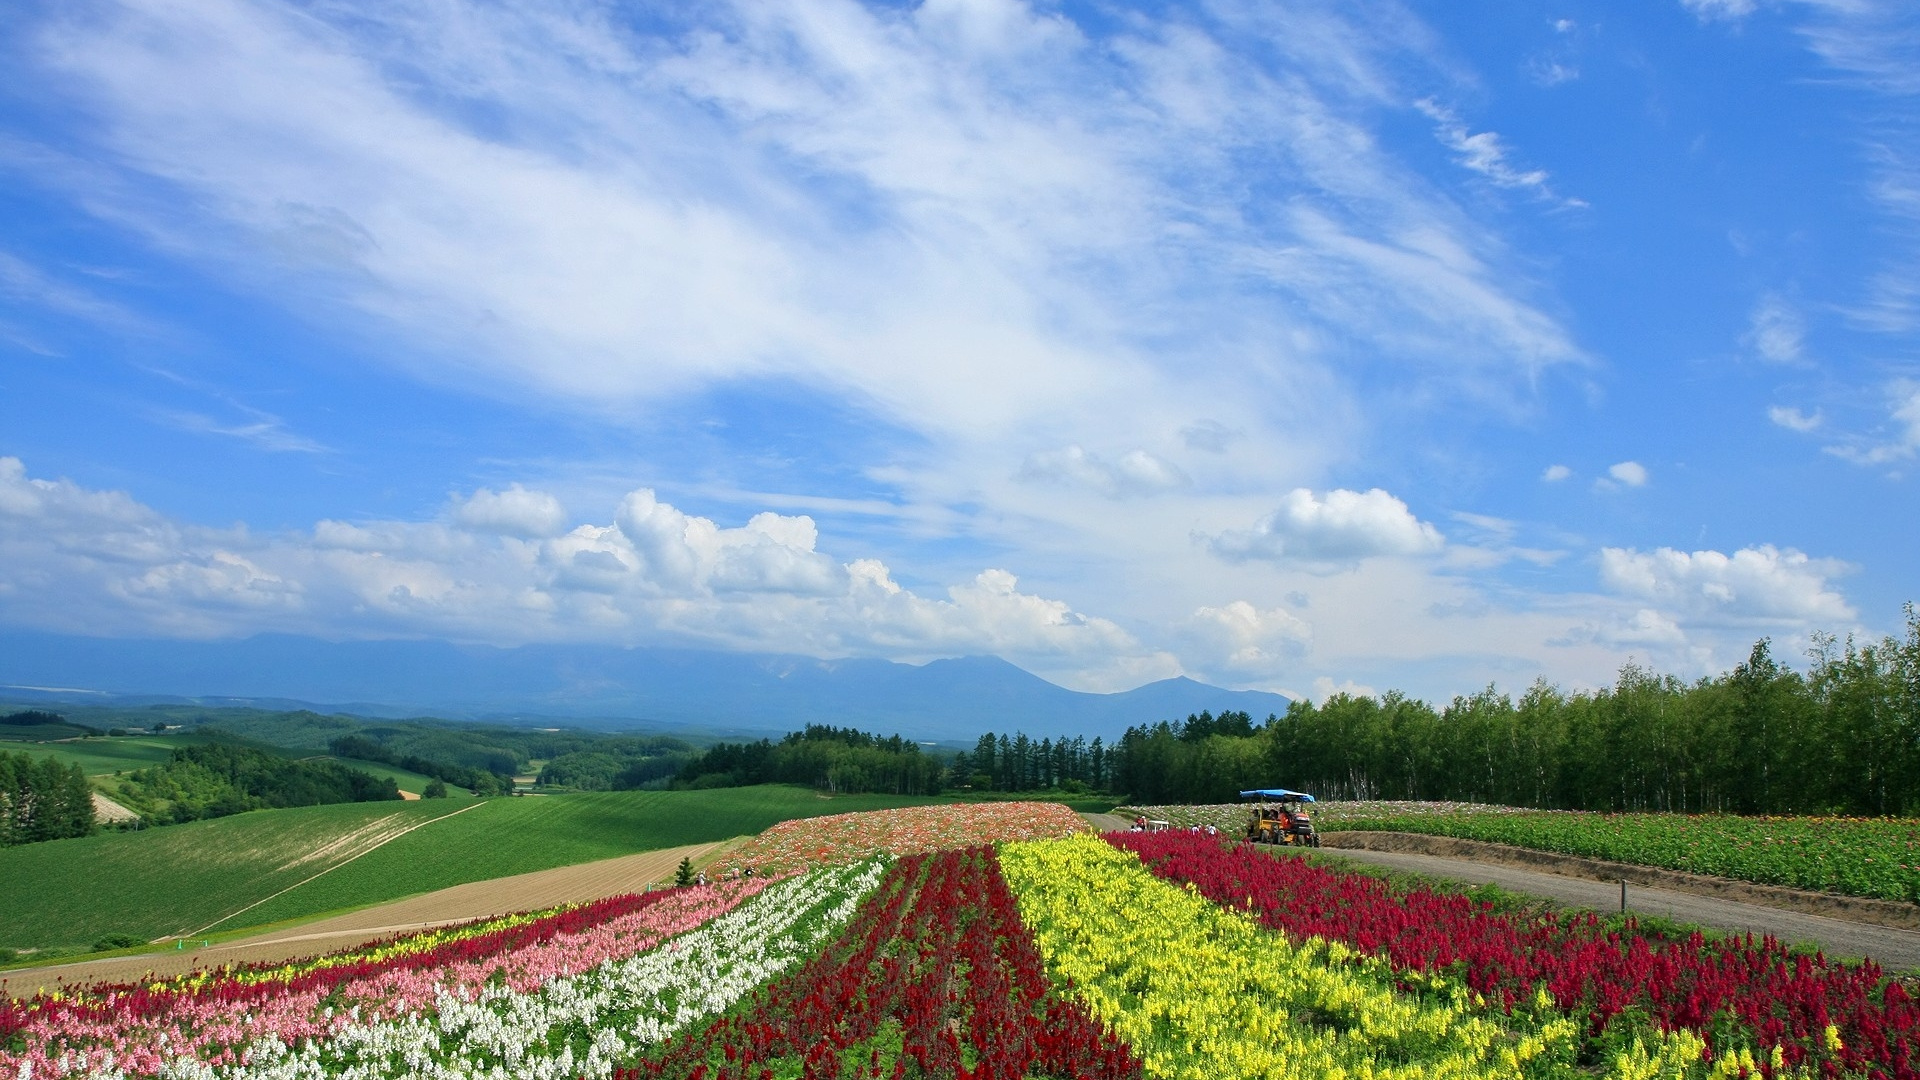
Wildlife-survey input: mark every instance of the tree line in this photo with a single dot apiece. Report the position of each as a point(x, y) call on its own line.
point(218, 779)
point(41, 799)
point(839, 760)
point(1842, 737)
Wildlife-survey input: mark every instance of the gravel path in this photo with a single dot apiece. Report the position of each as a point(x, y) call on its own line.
point(1896, 950)
point(461, 903)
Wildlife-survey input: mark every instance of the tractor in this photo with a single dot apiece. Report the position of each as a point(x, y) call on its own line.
point(1280, 817)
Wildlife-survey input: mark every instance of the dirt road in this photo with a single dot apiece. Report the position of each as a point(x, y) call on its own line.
point(1895, 950)
point(462, 903)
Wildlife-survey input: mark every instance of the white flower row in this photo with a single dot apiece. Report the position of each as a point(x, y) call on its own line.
point(578, 1026)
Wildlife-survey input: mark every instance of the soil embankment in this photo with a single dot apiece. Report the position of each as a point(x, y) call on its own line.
point(461, 903)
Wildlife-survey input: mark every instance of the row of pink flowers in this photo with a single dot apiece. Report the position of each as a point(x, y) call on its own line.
point(137, 1030)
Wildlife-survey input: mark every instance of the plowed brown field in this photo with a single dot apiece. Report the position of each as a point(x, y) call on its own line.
point(462, 903)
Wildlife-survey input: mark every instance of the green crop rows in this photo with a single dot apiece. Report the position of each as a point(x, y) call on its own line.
point(180, 878)
point(1854, 856)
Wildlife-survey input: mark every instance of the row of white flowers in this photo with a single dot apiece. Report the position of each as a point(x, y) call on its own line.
point(582, 1025)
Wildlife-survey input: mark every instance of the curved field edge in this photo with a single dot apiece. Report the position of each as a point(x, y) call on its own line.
point(64, 894)
point(1876, 858)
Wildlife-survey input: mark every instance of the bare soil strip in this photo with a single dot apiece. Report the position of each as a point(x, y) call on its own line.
point(1107, 822)
point(1831, 905)
point(1896, 950)
point(461, 903)
point(107, 810)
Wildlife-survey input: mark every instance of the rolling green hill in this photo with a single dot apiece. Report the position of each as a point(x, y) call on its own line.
point(408, 781)
point(178, 879)
point(109, 754)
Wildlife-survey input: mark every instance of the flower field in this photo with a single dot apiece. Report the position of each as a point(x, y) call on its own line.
point(1873, 857)
point(997, 942)
point(820, 841)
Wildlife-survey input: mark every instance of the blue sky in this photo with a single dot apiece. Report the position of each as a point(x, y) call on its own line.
point(1287, 346)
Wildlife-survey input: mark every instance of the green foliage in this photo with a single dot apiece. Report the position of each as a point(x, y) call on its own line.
point(1873, 857)
point(437, 789)
point(177, 880)
point(683, 874)
point(40, 724)
point(118, 941)
point(217, 779)
point(42, 799)
point(838, 760)
point(1842, 739)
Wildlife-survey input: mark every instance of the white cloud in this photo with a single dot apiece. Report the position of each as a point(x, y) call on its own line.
point(1791, 418)
point(976, 220)
point(1710, 10)
point(1483, 152)
point(1245, 639)
point(1324, 688)
point(85, 561)
point(1777, 331)
point(513, 512)
point(1628, 474)
point(1340, 528)
point(1752, 584)
point(1898, 440)
point(1555, 473)
point(1135, 472)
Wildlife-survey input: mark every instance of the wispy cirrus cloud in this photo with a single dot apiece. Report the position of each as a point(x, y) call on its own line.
point(976, 219)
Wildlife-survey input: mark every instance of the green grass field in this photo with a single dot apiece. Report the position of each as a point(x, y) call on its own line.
point(108, 754)
point(63, 893)
point(408, 781)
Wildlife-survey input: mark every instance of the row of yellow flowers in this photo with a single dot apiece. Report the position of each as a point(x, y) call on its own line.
point(1202, 992)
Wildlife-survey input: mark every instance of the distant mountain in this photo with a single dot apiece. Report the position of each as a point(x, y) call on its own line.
point(600, 686)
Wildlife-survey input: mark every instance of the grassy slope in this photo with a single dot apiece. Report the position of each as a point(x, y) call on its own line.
point(108, 754)
point(408, 781)
point(179, 878)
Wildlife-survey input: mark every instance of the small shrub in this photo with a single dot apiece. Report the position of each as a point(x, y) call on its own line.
point(118, 941)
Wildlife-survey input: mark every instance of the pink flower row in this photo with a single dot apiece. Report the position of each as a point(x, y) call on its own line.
point(66, 1041)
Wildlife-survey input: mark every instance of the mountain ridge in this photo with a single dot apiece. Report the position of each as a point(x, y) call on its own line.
point(608, 686)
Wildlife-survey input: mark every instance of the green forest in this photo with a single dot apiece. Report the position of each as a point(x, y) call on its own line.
point(838, 760)
point(42, 799)
point(218, 779)
point(1841, 738)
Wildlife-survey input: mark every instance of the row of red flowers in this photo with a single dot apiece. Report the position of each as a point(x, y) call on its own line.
point(1836, 1018)
point(146, 999)
point(936, 976)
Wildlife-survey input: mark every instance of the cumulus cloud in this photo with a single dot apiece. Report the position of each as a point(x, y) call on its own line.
point(1135, 472)
point(1243, 638)
point(1556, 473)
point(1623, 474)
point(1341, 527)
point(1755, 584)
point(1791, 418)
point(79, 560)
point(513, 512)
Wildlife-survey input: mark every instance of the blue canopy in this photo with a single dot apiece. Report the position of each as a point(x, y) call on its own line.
point(1276, 793)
